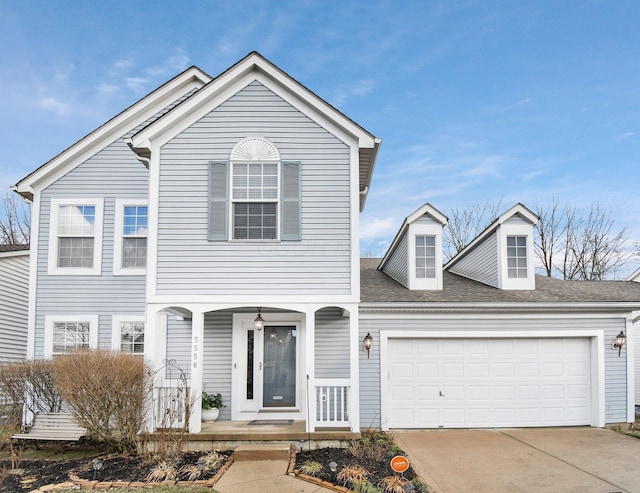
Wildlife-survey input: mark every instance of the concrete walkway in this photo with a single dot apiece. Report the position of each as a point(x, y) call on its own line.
point(263, 476)
point(524, 460)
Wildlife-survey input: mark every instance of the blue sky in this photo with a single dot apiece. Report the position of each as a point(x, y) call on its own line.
point(475, 100)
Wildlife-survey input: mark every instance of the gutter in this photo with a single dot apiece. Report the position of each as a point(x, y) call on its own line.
point(476, 307)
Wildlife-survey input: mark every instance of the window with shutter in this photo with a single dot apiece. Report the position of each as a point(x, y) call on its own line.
point(254, 196)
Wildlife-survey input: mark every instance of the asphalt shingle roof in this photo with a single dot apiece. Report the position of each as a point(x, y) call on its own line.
point(376, 286)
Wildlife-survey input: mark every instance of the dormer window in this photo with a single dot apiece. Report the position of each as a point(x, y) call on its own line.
point(517, 257)
point(425, 256)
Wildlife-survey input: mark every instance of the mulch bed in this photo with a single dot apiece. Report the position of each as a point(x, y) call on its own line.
point(377, 469)
point(33, 474)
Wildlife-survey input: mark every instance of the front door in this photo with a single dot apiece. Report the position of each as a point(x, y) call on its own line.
point(266, 376)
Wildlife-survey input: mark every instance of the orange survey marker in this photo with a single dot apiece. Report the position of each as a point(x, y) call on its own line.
point(400, 463)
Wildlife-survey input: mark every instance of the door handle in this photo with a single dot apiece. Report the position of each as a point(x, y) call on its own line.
point(261, 366)
point(441, 394)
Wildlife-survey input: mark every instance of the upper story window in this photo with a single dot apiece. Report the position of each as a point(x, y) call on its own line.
point(130, 239)
point(425, 256)
point(255, 196)
point(517, 257)
point(75, 237)
point(255, 201)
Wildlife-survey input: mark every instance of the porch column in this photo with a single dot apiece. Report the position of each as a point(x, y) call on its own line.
point(155, 351)
point(354, 354)
point(197, 347)
point(310, 363)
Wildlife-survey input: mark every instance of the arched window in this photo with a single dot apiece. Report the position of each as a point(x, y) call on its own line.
point(254, 196)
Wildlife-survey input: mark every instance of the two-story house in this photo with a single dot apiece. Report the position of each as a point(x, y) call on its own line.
point(215, 224)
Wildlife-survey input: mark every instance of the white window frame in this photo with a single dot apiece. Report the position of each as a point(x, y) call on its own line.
point(431, 228)
point(116, 322)
point(515, 227)
point(53, 268)
point(517, 269)
point(118, 269)
point(233, 201)
point(50, 320)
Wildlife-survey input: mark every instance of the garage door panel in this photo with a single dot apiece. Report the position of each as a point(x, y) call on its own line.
point(489, 382)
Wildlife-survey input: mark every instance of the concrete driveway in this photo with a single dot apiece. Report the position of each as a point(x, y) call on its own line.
point(533, 459)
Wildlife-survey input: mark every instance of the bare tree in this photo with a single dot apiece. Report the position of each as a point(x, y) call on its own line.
point(464, 225)
point(14, 221)
point(577, 244)
point(550, 229)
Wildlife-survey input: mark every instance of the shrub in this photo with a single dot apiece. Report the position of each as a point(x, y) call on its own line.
point(30, 382)
point(392, 484)
point(107, 393)
point(365, 487)
point(311, 468)
point(351, 474)
point(421, 486)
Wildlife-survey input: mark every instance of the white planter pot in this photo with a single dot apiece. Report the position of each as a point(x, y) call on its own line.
point(210, 414)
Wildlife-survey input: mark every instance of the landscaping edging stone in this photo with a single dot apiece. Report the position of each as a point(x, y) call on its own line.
point(88, 484)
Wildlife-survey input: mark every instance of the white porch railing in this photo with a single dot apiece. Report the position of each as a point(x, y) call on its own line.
point(332, 402)
point(170, 406)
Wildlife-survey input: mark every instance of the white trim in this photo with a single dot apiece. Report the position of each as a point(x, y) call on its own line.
point(33, 275)
point(354, 216)
point(597, 360)
point(197, 364)
point(116, 322)
point(54, 213)
point(49, 320)
point(422, 229)
point(118, 270)
point(515, 229)
point(244, 321)
point(631, 376)
point(153, 210)
point(14, 253)
point(251, 68)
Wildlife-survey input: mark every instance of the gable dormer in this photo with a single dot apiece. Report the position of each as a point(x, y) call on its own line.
point(414, 258)
point(502, 255)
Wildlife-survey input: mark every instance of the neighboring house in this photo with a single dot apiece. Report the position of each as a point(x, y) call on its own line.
point(14, 301)
point(215, 224)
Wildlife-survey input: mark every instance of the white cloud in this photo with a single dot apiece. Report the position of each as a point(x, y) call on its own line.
point(378, 227)
point(136, 83)
point(50, 103)
point(106, 89)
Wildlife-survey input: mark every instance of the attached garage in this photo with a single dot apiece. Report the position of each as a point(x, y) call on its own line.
point(484, 382)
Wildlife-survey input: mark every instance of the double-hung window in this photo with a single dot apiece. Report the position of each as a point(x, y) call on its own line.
point(64, 334)
point(255, 201)
point(425, 256)
point(255, 196)
point(131, 227)
point(517, 257)
point(75, 237)
point(128, 333)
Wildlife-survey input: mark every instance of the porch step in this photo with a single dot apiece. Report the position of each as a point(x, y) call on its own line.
point(262, 451)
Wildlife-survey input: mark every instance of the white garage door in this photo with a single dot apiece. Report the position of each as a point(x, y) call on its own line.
point(466, 383)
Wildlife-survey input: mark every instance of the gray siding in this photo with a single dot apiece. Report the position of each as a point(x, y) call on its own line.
point(481, 264)
point(318, 264)
point(111, 173)
point(398, 265)
point(14, 297)
point(217, 357)
point(615, 367)
point(332, 344)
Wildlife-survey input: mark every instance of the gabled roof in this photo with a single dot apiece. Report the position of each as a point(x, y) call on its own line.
point(427, 209)
point(13, 250)
point(255, 67)
point(635, 276)
point(379, 290)
point(517, 210)
point(134, 115)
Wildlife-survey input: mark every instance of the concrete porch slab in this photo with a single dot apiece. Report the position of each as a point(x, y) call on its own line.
point(262, 451)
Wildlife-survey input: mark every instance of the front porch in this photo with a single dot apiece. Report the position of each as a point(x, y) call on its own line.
point(224, 435)
point(302, 365)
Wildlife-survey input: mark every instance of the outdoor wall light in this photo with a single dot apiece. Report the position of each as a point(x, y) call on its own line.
point(333, 465)
point(621, 339)
point(368, 342)
point(259, 321)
